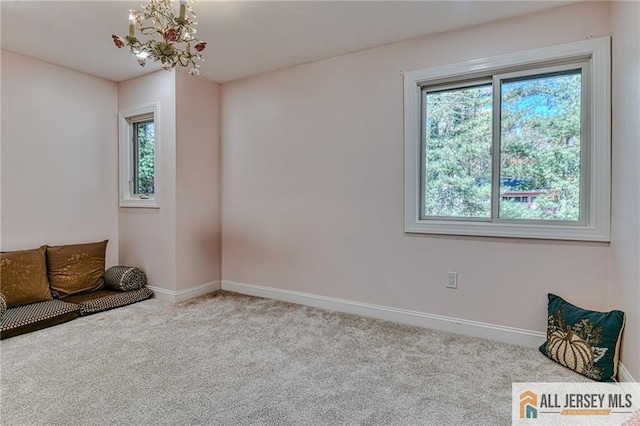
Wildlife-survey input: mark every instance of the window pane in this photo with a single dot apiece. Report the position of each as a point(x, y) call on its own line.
point(540, 146)
point(457, 149)
point(144, 157)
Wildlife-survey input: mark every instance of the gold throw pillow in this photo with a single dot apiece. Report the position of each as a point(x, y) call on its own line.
point(77, 268)
point(23, 277)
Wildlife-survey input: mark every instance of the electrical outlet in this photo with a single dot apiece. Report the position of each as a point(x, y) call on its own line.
point(452, 279)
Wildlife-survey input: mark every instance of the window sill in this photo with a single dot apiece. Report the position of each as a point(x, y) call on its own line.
point(507, 230)
point(150, 203)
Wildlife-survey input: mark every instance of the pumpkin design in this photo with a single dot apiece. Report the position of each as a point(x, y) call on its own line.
point(570, 350)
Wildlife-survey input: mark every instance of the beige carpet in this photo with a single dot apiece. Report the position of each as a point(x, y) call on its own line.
point(228, 359)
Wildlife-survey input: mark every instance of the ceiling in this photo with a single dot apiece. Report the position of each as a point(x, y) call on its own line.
point(244, 38)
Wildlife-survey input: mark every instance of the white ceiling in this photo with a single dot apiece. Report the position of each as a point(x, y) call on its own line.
point(244, 38)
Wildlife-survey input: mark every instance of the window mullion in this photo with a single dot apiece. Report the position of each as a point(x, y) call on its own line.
point(495, 150)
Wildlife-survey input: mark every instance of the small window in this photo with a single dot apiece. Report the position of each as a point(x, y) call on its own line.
point(484, 139)
point(139, 146)
point(143, 156)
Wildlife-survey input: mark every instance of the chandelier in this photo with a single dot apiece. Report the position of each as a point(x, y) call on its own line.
point(170, 37)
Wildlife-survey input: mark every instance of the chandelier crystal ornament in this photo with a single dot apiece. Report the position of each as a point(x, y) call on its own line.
point(170, 37)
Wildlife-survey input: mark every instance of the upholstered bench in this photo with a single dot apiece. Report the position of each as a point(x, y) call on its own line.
point(103, 300)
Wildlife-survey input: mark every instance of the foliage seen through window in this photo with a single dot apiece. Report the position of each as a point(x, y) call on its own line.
point(538, 145)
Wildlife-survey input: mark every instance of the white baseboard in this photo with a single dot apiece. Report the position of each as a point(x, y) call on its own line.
point(500, 333)
point(495, 332)
point(182, 295)
point(625, 376)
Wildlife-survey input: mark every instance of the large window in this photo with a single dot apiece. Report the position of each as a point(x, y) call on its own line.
point(139, 157)
point(512, 146)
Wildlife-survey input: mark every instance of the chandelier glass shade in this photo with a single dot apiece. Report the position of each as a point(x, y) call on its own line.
point(169, 39)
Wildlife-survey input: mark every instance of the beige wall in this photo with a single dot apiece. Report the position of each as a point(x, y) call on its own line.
point(624, 290)
point(311, 182)
point(313, 187)
point(178, 244)
point(59, 156)
point(198, 181)
point(148, 236)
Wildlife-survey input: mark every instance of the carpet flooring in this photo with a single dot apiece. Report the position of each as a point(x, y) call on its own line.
point(229, 359)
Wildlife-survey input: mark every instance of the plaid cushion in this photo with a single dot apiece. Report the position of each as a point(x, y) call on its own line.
point(113, 300)
point(35, 316)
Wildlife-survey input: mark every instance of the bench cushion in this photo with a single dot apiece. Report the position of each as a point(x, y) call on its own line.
point(27, 318)
point(103, 300)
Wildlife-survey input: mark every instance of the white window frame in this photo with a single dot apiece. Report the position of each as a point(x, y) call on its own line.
point(126, 120)
point(596, 138)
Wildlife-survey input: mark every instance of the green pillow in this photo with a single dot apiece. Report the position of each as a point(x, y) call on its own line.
point(585, 341)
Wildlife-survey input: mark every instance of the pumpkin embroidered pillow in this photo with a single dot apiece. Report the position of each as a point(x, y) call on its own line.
point(587, 342)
